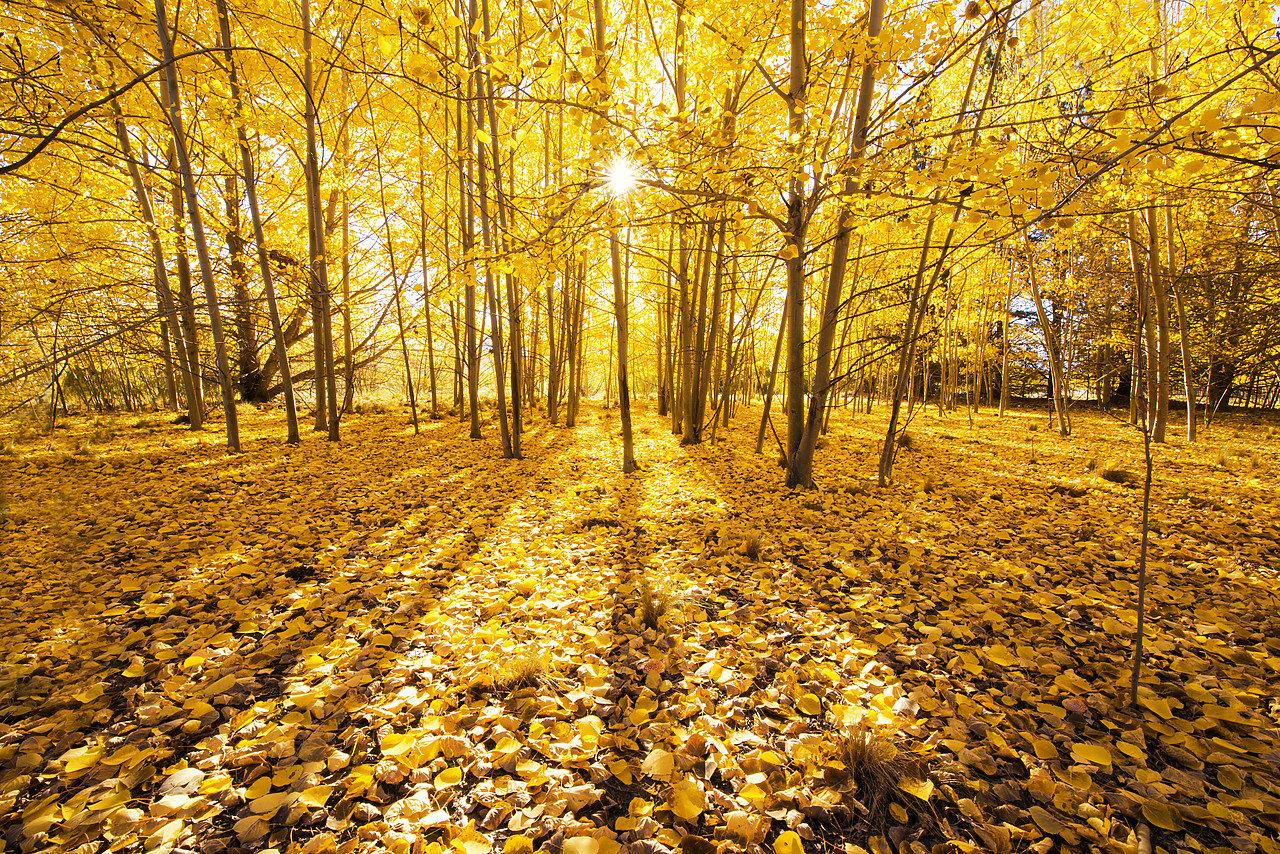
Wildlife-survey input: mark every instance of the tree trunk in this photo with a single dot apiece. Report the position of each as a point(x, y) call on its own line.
point(264, 263)
point(251, 381)
point(197, 231)
point(1163, 351)
point(190, 374)
point(620, 316)
point(1184, 337)
point(326, 385)
point(800, 463)
point(1052, 347)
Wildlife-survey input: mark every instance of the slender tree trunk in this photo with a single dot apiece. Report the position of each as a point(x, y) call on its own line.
point(498, 242)
point(1184, 337)
point(1142, 325)
point(1164, 352)
point(773, 374)
point(326, 385)
point(348, 343)
point(707, 349)
point(794, 249)
point(186, 294)
point(800, 462)
point(553, 358)
point(396, 283)
point(422, 248)
point(620, 316)
point(685, 399)
point(170, 373)
point(190, 373)
point(1052, 347)
point(255, 216)
point(246, 335)
point(197, 231)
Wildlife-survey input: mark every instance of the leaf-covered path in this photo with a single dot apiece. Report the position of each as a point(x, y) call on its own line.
point(403, 643)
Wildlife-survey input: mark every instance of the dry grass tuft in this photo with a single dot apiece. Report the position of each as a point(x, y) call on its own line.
point(524, 671)
point(1124, 477)
point(654, 604)
point(869, 771)
point(905, 440)
point(751, 545)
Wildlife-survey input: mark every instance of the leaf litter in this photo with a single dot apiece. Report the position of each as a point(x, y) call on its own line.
point(404, 644)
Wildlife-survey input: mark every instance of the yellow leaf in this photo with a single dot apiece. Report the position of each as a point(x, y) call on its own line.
point(268, 804)
point(316, 796)
point(898, 813)
point(1230, 778)
point(1094, 754)
point(1000, 654)
point(221, 685)
point(659, 764)
point(788, 842)
point(1159, 705)
point(82, 758)
point(1131, 750)
point(1045, 820)
point(922, 789)
point(517, 845)
point(581, 845)
point(213, 785)
point(397, 743)
point(1162, 816)
point(165, 834)
point(810, 705)
point(450, 776)
point(258, 788)
point(1044, 748)
point(286, 776)
point(251, 827)
point(686, 800)
point(90, 694)
point(439, 818)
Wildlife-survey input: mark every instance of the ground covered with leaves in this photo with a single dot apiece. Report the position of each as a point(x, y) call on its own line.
point(406, 644)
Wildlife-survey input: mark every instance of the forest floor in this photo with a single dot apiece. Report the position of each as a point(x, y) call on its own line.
point(406, 643)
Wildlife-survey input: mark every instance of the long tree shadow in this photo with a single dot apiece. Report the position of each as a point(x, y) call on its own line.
point(996, 583)
point(222, 629)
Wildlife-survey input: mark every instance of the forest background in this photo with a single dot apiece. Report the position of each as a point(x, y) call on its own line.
point(858, 235)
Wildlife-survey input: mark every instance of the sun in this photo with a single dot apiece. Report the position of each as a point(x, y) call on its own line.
point(621, 177)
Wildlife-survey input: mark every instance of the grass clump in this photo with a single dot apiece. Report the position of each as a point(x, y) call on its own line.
point(905, 440)
point(654, 604)
point(751, 545)
point(1124, 477)
point(874, 777)
point(524, 671)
